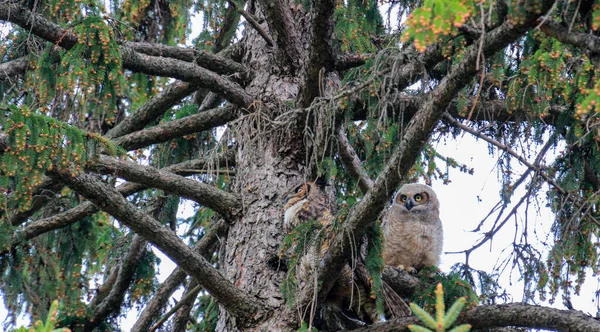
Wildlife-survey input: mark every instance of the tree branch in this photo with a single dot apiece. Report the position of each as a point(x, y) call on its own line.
point(252, 21)
point(320, 53)
point(281, 26)
point(583, 40)
point(152, 109)
point(222, 202)
point(13, 68)
point(501, 315)
point(177, 128)
point(132, 60)
point(247, 309)
point(351, 162)
point(404, 156)
point(168, 287)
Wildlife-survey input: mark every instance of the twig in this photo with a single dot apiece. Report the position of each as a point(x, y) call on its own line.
point(254, 24)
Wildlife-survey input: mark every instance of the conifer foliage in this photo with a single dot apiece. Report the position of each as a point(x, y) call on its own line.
point(134, 127)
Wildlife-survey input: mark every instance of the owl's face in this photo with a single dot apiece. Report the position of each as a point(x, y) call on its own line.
point(297, 195)
point(416, 198)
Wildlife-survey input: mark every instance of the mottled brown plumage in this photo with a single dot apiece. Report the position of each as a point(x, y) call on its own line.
point(352, 290)
point(412, 229)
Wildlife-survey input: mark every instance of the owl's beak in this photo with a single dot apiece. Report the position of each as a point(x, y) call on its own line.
point(409, 204)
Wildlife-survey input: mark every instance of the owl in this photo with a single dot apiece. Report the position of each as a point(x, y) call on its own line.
point(351, 292)
point(413, 230)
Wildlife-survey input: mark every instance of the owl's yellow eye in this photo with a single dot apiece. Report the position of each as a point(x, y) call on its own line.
point(403, 198)
point(418, 197)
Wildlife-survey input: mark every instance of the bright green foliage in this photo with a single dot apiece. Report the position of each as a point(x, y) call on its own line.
point(358, 25)
point(38, 143)
point(295, 245)
point(443, 320)
point(435, 19)
point(50, 324)
point(455, 286)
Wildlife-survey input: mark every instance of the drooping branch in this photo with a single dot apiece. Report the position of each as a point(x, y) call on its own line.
point(501, 315)
point(320, 54)
point(177, 128)
point(168, 287)
point(281, 26)
point(152, 109)
point(132, 60)
point(404, 156)
point(228, 205)
point(247, 309)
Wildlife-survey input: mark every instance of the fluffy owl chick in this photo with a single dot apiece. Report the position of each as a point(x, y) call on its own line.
point(413, 230)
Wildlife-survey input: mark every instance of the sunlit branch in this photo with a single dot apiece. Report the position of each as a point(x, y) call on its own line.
point(224, 203)
point(177, 128)
point(501, 315)
point(244, 307)
point(168, 287)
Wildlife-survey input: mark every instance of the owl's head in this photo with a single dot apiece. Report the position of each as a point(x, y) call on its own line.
point(416, 198)
point(297, 194)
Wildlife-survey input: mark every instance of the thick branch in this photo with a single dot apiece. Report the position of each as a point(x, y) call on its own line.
point(282, 28)
point(132, 60)
point(320, 53)
point(213, 62)
point(152, 109)
point(417, 133)
point(177, 128)
point(168, 287)
point(245, 308)
point(218, 200)
point(13, 68)
point(501, 315)
point(583, 40)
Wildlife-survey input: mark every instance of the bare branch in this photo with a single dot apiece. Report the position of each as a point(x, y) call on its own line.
point(351, 161)
point(320, 53)
point(348, 61)
point(152, 109)
point(584, 40)
point(252, 21)
point(501, 315)
point(177, 128)
point(168, 287)
point(245, 308)
point(218, 200)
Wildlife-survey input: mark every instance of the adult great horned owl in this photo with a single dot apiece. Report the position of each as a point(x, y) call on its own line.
point(306, 202)
point(413, 229)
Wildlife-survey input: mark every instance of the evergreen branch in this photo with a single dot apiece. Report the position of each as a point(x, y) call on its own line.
point(247, 309)
point(563, 34)
point(212, 62)
point(252, 21)
point(170, 285)
point(152, 109)
point(352, 162)
point(404, 156)
point(348, 61)
point(14, 68)
point(282, 28)
point(117, 289)
point(132, 60)
point(503, 315)
point(42, 195)
point(320, 54)
point(85, 209)
point(177, 128)
point(224, 203)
